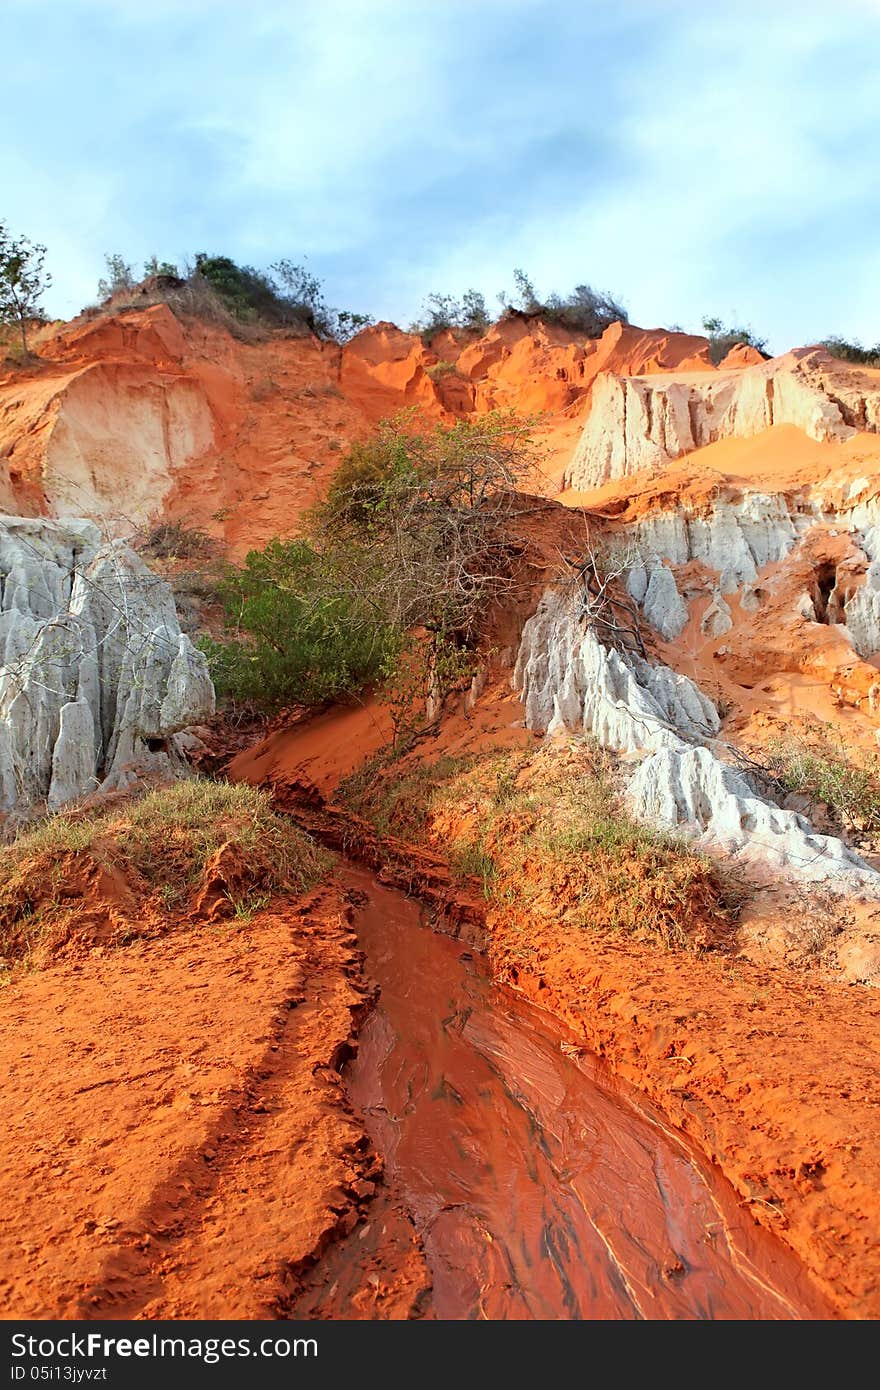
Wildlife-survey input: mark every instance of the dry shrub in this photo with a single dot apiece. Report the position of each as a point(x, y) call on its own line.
point(174, 540)
point(826, 770)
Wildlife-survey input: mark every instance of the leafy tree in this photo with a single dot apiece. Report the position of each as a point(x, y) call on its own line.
point(723, 337)
point(529, 302)
point(156, 267)
point(439, 313)
point(23, 280)
point(443, 312)
point(302, 294)
point(120, 276)
point(474, 317)
point(348, 324)
point(589, 311)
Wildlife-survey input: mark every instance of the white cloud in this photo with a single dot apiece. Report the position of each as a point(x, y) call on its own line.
point(692, 161)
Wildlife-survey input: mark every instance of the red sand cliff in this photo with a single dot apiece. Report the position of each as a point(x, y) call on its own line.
point(158, 1152)
point(138, 415)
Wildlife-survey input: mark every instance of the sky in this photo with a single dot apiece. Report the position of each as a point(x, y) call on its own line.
point(719, 159)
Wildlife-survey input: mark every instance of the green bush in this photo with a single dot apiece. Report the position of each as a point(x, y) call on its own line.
point(363, 487)
point(852, 352)
point(247, 293)
point(409, 550)
point(287, 296)
point(301, 635)
point(722, 338)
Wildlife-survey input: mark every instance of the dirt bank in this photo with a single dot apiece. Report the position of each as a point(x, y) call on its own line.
point(746, 1060)
point(178, 1143)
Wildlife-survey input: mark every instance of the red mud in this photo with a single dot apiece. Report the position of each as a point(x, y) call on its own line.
point(745, 1060)
point(535, 1186)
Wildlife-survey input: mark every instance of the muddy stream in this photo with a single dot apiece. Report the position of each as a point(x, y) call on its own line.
point(538, 1185)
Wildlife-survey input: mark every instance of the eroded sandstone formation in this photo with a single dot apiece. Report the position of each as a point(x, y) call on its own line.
point(137, 414)
point(832, 545)
point(96, 677)
point(642, 421)
point(681, 781)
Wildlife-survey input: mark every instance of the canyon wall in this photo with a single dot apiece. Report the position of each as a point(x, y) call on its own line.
point(137, 415)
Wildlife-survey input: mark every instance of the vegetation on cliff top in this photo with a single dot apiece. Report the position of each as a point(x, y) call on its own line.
point(852, 352)
point(23, 281)
point(289, 296)
point(286, 296)
point(584, 310)
point(722, 337)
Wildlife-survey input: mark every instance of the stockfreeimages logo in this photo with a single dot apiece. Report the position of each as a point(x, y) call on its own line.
point(94, 1345)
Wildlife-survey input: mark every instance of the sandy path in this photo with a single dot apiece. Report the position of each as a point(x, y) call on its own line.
point(177, 1143)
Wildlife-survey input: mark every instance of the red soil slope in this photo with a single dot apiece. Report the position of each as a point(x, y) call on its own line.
point(178, 1144)
point(743, 1056)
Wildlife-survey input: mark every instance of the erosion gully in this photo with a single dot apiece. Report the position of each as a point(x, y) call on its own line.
point(538, 1186)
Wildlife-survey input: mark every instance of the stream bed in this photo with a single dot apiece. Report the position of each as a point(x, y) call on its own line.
point(538, 1186)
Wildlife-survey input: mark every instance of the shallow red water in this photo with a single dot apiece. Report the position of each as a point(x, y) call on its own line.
point(538, 1187)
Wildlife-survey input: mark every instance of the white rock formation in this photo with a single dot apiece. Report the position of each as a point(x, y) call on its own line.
point(736, 538)
point(95, 674)
point(717, 618)
point(862, 613)
point(662, 605)
point(644, 422)
point(569, 680)
point(690, 788)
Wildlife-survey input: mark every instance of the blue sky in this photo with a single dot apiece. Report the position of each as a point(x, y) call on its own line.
point(716, 158)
